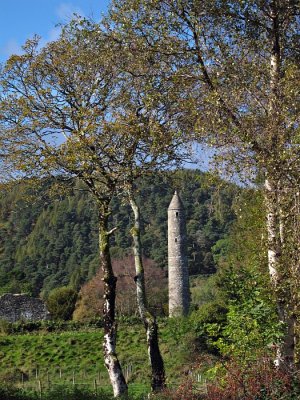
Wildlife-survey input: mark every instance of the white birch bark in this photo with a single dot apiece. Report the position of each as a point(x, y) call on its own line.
point(285, 351)
point(272, 231)
point(274, 204)
point(109, 324)
point(149, 320)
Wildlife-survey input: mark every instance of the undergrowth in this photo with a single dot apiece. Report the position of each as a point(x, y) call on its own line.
point(58, 393)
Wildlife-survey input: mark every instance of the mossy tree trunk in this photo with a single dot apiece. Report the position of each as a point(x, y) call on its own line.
point(149, 320)
point(280, 274)
point(110, 326)
point(279, 263)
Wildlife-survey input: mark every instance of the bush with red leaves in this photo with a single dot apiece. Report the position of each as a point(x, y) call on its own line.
point(260, 380)
point(186, 391)
point(90, 300)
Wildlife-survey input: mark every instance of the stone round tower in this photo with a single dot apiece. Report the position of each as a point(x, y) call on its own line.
point(179, 292)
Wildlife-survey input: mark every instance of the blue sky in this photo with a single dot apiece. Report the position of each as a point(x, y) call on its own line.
point(21, 19)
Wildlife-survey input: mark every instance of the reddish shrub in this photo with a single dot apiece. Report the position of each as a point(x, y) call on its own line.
point(90, 301)
point(186, 391)
point(259, 380)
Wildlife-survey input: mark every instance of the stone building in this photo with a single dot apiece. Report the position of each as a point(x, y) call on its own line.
point(179, 292)
point(16, 307)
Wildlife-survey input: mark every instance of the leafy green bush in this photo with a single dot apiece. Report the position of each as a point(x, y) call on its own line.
point(25, 326)
point(5, 327)
point(252, 325)
point(209, 315)
point(61, 302)
point(12, 393)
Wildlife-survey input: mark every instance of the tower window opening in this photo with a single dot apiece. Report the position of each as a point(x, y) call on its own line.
point(177, 214)
point(175, 240)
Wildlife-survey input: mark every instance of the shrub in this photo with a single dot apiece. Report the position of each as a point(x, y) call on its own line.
point(5, 327)
point(259, 380)
point(57, 393)
point(12, 393)
point(202, 320)
point(61, 302)
point(13, 375)
point(185, 391)
point(90, 299)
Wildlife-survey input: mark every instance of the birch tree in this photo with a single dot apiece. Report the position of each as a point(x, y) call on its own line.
point(157, 113)
point(70, 108)
point(149, 320)
point(168, 150)
point(56, 103)
point(235, 66)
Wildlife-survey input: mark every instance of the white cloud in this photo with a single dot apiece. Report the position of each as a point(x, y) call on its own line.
point(65, 11)
point(11, 47)
point(52, 35)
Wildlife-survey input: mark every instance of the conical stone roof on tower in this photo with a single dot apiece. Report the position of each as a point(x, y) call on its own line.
point(176, 203)
point(179, 293)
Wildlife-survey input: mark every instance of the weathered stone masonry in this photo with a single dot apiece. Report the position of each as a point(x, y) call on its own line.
point(16, 307)
point(179, 293)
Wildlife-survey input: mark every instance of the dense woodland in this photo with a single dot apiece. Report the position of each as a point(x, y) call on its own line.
point(47, 242)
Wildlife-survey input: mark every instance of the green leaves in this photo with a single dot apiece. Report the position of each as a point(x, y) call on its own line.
point(61, 302)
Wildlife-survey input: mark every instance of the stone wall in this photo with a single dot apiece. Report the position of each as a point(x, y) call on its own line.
point(16, 307)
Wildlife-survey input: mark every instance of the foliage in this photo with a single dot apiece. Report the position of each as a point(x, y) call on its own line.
point(207, 323)
point(46, 241)
point(52, 241)
point(225, 74)
point(62, 392)
point(259, 379)
point(203, 290)
point(239, 319)
point(90, 300)
point(235, 67)
point(251, 325)
point(61, 302)
point(5, 327)
point(13, 376)
point(11, 393)
point(57, 393)
point(185, 391)
point(77, 112)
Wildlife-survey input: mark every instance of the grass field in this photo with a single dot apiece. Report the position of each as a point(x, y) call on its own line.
point(76, 357)
point(72, 359)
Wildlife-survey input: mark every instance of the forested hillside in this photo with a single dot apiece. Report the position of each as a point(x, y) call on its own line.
point(47, 242)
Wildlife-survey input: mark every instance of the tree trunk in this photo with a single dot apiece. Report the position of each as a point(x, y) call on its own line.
point(149, 320)
point(273, 230)
point(110, 327)
point(279, 266)
point(278, 274)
